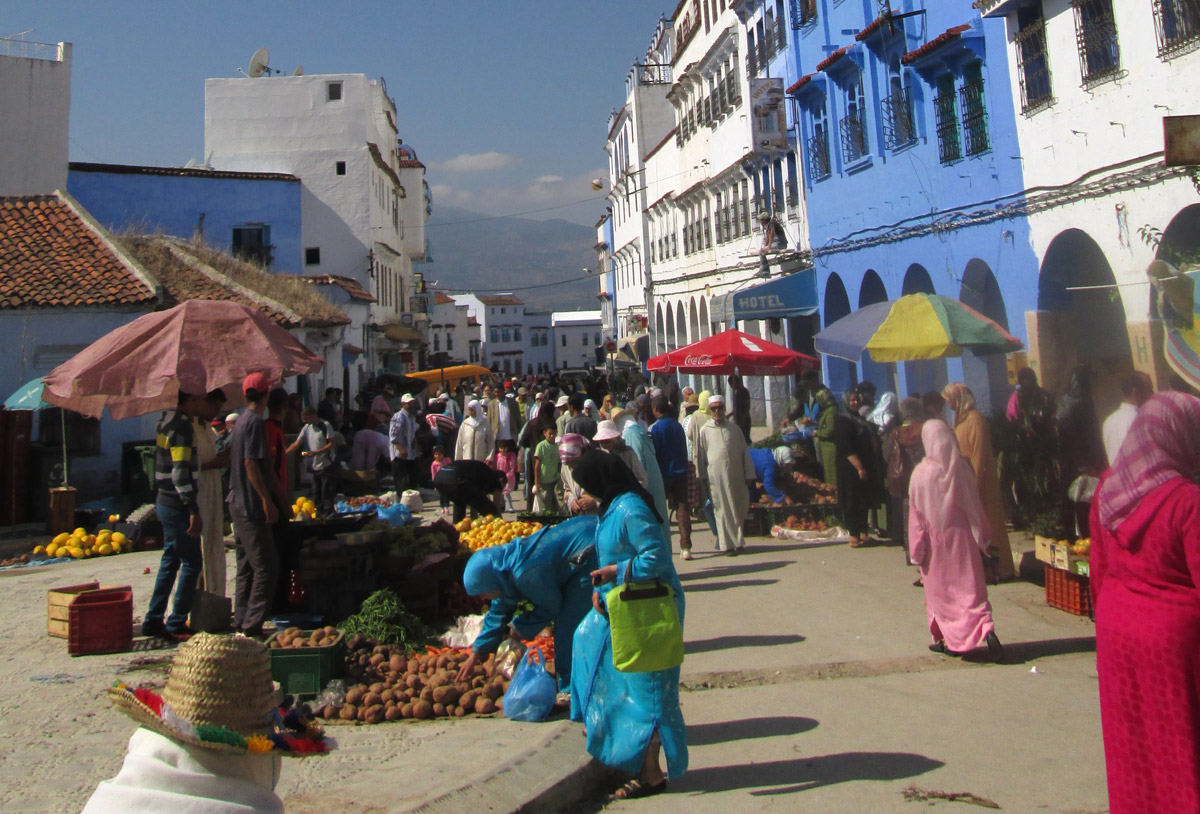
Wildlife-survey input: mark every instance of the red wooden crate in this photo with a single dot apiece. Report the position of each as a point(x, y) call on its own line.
point(101, 622)
point(1067, 591)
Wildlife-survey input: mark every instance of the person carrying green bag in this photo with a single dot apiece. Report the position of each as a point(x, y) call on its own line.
point(630, 716)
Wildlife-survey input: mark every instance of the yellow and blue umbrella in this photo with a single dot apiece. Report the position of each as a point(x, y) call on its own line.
point(916, 326)
point(1178, 299)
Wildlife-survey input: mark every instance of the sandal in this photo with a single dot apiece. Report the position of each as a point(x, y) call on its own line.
point(857, 543)
point(635, 789)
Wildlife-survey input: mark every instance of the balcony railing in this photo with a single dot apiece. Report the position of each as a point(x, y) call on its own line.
point(1096, 38)
point(974, 117)
point(654, 74)
point(803, 12)
point(898, 128)
point(780, 37)
point(949, 142)
point(1033, 67)
point(854, 136)
point(819, 167)
point(1177, 24)
point(752, 62)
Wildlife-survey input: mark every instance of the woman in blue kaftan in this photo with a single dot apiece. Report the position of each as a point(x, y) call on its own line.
point(550, 568)
point(629, 716)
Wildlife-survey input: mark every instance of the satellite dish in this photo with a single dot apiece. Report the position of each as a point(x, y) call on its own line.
point(299, 71)
point(258, 63)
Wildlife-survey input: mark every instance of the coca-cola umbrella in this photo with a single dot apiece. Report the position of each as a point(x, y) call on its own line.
point(197, 346)
point(733, 352)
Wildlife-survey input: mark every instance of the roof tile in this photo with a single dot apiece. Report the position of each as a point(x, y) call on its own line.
point(935, 43)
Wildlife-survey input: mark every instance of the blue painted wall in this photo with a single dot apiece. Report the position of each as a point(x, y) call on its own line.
point(871, 219)
point(149, 203)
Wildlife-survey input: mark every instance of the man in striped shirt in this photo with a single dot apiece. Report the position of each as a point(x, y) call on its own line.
point(175, 475)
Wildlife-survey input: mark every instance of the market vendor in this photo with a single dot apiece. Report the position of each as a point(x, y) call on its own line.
point(470, 483)
point(771, 467)
point(550, 568)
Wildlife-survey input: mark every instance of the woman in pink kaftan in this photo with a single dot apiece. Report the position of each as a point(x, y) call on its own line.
point(1145, 573)
point(948, 535)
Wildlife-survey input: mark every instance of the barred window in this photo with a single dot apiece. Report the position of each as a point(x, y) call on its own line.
point(1096, 36)
point(854, 124)
point(974, 111)
point(1033, 62)
point(1177, 24)
point(945, 109)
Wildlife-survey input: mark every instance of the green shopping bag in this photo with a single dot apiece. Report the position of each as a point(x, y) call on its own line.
point(646, 632)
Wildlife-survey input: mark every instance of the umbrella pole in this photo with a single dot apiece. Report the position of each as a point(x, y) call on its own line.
point(62, 414)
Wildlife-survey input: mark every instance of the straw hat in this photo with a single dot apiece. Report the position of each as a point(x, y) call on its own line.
point(219, 696)
point(619, 414)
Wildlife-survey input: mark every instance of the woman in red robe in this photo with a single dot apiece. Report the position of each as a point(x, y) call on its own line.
point(1145, 573)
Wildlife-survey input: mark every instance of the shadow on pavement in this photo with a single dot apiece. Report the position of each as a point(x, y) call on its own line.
point(1024, 652)
point(733, 570)
point(733, 583)
point(802, 774)
point(730, 642)
point(747, 729)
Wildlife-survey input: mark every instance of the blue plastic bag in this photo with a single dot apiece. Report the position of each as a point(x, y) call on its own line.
point(396, 515)
point(530, 695)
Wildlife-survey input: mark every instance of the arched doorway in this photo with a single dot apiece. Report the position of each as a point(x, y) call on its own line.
point(1081, 318)
point(681, 336)
point(883, 376)
point(840, 375)
point(987, 376)
point(660, 331)
point(705, 326)
point(921, 377)
point(1180, 244)
point(670, 334)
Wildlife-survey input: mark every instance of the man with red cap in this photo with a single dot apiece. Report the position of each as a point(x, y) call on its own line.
point(254, 500)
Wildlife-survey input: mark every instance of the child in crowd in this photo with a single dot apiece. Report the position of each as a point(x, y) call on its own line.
point(317, 436)
point(505, 461)
point(545, 471)
point(439, 460)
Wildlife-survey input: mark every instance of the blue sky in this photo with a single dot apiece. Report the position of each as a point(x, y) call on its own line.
point(506, 102)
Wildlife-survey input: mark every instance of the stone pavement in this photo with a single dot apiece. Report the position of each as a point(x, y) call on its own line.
point(807, 686)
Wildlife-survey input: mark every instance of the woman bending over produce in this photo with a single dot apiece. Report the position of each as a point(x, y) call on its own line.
point(630, 717)
point(550, 568)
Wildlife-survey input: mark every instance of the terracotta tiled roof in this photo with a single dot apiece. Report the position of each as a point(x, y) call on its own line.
point(442, 299)
point(410, 164)
point(377, 157)
point(472, 321)
point(347, 284)
point(502, 299)
point(832, 58)
point(189, 172)
point(935, 43)
point(190, 272)
point(799, 83)
point(871, 28)
point(53, 255)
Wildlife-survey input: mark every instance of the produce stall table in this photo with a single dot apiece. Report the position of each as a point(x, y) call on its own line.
point(1068, 572)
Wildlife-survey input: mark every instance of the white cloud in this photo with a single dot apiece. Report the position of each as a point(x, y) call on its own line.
point(548, 179)
point(476, 162)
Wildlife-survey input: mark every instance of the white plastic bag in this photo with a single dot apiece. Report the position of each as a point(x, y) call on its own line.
point(412, 499)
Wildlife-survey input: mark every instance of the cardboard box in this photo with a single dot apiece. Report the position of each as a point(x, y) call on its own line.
point(1043, 549)
point(1065, 559)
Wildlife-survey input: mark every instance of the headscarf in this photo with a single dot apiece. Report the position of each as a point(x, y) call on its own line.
point(473, 408)
point(571, 447)
point(944, 478)
point(1163, 443)
point(606, 477)
point(960, 399)
point(911, 410)
point(589, 407)
point(884, 412)
point(825, 399)
point(483, 573)
point(782, 455)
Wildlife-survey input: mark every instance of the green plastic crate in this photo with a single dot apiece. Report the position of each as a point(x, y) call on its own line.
point(306, 670)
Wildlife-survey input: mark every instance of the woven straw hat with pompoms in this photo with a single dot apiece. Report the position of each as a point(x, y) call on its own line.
point(218, 696)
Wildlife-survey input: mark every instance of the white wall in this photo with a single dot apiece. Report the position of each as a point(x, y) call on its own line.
point(574, 338)
point(35, 104)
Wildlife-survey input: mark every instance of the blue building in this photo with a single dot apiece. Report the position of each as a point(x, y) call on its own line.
point(906, 128)
point(252, 215)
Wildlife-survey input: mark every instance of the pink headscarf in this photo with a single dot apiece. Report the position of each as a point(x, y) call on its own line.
point(572, 447)
point(1162, 444)
point(943, 479)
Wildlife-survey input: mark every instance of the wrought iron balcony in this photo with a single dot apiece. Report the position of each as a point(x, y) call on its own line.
point(974, 117)
point(1033, 67)
point(780, 37)
point(898, 128)
point(652, 73)
point(1096, 38)
point(819, 167)
point(854, 136)
point(1177, 24)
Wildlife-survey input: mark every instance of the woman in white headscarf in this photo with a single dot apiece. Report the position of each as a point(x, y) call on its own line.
point(475, 441)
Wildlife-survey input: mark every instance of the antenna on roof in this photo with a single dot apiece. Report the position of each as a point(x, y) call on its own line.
point(258, 64)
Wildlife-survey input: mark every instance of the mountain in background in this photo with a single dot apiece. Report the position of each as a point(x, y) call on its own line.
point(473, 252)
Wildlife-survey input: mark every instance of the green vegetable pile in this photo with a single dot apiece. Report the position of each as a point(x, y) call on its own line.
point(383, 617)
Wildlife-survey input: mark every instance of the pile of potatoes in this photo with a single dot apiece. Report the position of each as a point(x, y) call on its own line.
point(414, 685)
point(295, 637)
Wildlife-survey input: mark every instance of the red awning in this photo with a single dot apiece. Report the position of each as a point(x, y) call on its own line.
point(734, 352)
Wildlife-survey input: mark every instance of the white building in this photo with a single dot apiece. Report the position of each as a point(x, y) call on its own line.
point(450, 331)
point(501, 321)
point(1093, 82)
point(577, 334)
point(363, 204)
point(539, 350)
point(35, 95)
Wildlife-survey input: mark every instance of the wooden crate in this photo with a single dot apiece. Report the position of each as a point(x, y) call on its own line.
point(58, 606)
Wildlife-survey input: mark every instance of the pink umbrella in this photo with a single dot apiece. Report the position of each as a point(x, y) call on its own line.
point(197, 346)
point(733, 351)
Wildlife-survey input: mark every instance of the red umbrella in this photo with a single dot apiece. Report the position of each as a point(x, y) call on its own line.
point(733, 352)
point(197, 346)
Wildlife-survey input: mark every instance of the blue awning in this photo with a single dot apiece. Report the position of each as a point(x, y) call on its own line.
point(794, 295)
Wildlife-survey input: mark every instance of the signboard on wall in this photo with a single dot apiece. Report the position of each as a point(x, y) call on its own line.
point(767, 114)
point(1181, 141)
